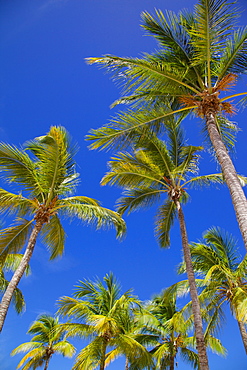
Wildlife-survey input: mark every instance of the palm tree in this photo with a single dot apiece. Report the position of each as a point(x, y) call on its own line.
point(47, 176)
point(218, 262)
point(10, 263)
point(48, 339)
point(201, 56)
point(158, 169)
point(103, 314)
point(169, 332)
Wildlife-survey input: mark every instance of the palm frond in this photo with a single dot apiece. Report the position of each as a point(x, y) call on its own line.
point(18, 167)
point(15, 203)
point(128, 126)
point(54, 236)
point(135, 199)
point(13, 238)
point(164, 220)
point(233, 59)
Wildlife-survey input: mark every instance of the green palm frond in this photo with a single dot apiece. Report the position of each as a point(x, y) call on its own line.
point(94, 214)
point(18, 167)
point(54, 236)
point(90, 356)
point(216, 346)
point(55, 163)
point(64, 348)
point(213, 24)
point(190, 357)
point(129, 171)
point(12, 261)
point(134, 199)
point(13, 238)
point(17, 299)
point(205, 180)
point(127, 126)
point(233, 59)
point(165, 218)
point(15, 203)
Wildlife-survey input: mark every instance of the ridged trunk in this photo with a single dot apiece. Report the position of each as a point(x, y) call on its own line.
point(230, 175)
point(6, 299)
point(243, 333)
point(196, 309)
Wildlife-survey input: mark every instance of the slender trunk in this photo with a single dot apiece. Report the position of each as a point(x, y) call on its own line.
point(243, 333)
point(47, 363)
point(200, 343)
point(230, 175)
point(102, 361)
point(172, 360)
point(4, 305)
point(126, 364)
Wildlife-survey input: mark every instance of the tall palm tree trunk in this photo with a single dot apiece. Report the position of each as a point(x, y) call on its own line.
point(6, 299)
point(102, 361)
point(200, 343)
point(243, 333)
point(126, 364)
point(237, 194)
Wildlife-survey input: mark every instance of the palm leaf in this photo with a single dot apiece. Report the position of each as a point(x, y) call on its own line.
point(54, 236)
point(13, 238)
point(137, 198)
point(164, 220)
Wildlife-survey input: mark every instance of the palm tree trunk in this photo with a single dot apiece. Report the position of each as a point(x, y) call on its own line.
point(230, 175)
point(6, 299)
point(200, 343)
point(172, 360)
point(126, 364)
point(47, 363)
point(243, 333)
point(102, 361)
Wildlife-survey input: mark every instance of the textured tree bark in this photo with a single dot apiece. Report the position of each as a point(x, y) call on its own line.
point(126, 364)
point(230, 175)
point(243, 333)
point(200, 343)
point(6, 299)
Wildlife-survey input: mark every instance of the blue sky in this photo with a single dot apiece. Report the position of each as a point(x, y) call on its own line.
point(45, 81)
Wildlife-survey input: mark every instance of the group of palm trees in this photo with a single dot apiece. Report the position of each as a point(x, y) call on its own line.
point(200, 57)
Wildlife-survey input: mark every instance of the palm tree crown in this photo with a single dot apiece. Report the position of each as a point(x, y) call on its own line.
point(48, 180)
point(225, 275)
point(48, 339)
point(102, 312)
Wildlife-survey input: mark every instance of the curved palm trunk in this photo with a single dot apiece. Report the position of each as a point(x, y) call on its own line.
point(6, 299)
point(230, 175)
point(243, 333)
point(126, 364)
point(200, 343)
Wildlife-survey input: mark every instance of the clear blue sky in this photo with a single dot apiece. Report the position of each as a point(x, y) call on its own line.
point(45, 81)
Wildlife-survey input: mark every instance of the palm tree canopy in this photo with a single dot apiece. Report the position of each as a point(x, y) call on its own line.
point(48, 338)
point(157, 169)
point(224, 273)
point(103, 314)
point(200, 56)
point(44, 171)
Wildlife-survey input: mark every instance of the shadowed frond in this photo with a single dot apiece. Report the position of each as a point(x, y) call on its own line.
point(13, 238)
point(54, 237)
point(164, 221)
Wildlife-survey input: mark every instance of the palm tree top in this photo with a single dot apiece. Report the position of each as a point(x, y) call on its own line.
point(200, 58)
